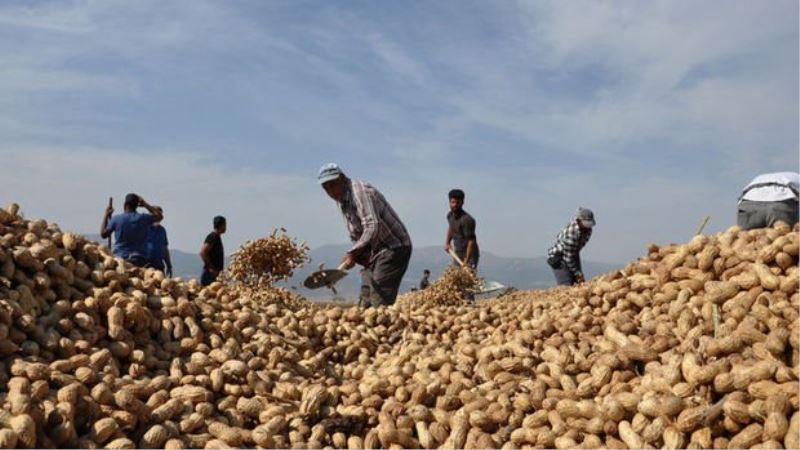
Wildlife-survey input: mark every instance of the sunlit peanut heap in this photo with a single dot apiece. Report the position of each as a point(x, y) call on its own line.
point(261, 262)
point(692, 346)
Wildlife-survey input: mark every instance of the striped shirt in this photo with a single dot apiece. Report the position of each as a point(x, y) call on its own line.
point(370, 219)
point(568, 244)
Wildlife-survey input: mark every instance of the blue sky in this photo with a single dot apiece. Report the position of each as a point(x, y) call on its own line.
point(654, 114)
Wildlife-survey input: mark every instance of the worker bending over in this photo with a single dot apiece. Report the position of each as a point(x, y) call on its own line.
point(769, 198)
point(564, 256)
point(381, 243)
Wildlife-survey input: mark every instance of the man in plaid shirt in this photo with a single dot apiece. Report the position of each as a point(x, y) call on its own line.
point(564, 256)
point(380, 241)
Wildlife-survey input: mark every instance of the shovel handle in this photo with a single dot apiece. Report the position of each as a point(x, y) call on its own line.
point(458, 260)
point(342, 267)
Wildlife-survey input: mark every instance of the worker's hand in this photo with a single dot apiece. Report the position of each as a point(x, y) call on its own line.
point(447, 248)
point(580, 279)
point(142, 203)
point(109, 211)
point(348, 261)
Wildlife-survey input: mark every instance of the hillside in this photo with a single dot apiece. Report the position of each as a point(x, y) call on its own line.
point(521, 273)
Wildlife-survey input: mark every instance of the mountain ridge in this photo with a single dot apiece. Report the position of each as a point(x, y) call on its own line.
point(518, 272)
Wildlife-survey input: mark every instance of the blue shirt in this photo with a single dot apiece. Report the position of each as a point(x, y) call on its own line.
point(130, 233)
point(156, 245)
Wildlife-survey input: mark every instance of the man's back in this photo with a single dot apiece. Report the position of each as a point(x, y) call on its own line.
point(130, 233)
point(216, 251)
point(773, 187)
point(156, 244)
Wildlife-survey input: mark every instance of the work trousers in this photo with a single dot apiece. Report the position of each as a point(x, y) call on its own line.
point(385, 274)
point(764, 214)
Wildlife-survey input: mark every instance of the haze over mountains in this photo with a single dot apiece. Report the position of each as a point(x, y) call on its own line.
point(521, 273)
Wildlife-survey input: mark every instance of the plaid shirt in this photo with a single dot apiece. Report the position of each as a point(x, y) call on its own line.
point(370, 219)
point(568, 244)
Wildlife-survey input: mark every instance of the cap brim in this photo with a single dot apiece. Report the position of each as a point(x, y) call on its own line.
point(327, 178)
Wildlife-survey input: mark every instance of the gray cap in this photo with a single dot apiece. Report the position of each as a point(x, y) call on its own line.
point(329, 172)
point(586, 216)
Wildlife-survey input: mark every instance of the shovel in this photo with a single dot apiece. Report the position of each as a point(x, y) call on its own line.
point(325, 278)
point(486, 286)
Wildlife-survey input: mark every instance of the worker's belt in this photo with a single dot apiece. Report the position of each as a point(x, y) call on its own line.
point(760, 185)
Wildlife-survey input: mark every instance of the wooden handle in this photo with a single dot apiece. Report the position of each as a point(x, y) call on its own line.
point(458, 260)
point(341, 267)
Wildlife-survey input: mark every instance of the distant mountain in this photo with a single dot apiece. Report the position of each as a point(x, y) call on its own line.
point(521, 273)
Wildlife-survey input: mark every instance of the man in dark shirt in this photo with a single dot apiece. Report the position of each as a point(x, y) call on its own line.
point(425, 281)
point(158, 249)
point(461, 231)
point(130, 229)
point(212, 252)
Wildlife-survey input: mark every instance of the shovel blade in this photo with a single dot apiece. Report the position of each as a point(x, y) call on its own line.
point(324, 278)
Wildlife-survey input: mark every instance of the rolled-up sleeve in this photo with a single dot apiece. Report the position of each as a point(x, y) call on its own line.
point(365, 206)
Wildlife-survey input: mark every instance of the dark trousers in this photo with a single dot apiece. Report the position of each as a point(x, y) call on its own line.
point(385, 275)
point(207, 277)
point(137, 260)
point(764, 214)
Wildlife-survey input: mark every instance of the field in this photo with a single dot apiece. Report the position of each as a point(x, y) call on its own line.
point(694, 345)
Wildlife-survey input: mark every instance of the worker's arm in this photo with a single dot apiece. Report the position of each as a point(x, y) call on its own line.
point(469, 232)
point(158, 213)
point(205, 255)
point(365, 207)
point(470, 251)
point(104, 231)
point(448, 239)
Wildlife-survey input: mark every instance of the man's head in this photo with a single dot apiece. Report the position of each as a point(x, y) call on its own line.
point(220, 224)
point(426, 273)
point(332, 179)
point(161, 212)
point(456, 197)
point(131, 202)
point(585, 218)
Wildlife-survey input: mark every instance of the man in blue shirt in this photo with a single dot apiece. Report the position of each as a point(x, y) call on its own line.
point(130, 229)
point(158, 248)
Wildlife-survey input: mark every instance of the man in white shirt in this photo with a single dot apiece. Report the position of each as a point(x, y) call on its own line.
point(769, 198)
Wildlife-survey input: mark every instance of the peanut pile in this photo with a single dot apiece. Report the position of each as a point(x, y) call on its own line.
point(693, 345)
point(261, 262)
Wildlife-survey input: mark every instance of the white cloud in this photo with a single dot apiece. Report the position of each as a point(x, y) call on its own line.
point(71, 186)
point(708, 90)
